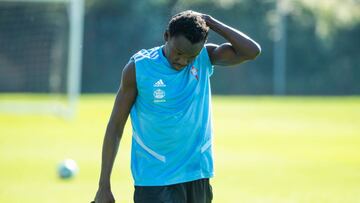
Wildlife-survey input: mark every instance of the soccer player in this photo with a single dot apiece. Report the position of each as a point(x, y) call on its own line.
point(166, 91)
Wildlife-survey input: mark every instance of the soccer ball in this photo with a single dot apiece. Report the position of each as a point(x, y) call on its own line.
point(67, 169)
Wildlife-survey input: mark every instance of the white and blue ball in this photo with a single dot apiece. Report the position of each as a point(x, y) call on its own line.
point(67, 169)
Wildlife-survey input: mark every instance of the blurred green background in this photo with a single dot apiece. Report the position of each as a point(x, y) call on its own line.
point(321, 51)
point(301, 147)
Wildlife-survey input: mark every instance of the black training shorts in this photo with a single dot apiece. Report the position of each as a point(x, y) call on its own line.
point(197, 191)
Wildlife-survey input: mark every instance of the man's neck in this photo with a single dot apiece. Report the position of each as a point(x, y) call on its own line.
point(164, 51)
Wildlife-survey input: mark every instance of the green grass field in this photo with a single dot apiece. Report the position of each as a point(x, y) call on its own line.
point(267, 150)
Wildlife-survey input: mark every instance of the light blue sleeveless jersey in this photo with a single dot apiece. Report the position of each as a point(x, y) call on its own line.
point(171, 120)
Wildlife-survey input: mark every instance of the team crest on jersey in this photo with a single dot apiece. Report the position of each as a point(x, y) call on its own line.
point(159, 95)
point(194, 72)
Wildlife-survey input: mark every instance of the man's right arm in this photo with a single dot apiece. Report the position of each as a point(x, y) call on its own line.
point(125, 98)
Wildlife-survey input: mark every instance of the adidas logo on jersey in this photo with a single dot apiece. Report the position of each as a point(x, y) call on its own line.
point(159, 83)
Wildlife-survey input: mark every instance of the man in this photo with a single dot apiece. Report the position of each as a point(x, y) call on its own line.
point(166, 91)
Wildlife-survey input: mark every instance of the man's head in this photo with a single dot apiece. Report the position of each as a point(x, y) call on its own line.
point(185, 37)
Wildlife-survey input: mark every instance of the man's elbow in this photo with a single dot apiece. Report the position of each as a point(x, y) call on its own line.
point(255, 52)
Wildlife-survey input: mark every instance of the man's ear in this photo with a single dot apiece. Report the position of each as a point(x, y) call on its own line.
point(166, 35)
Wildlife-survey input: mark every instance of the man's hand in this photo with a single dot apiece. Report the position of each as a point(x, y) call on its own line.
point(104, 195)
point(206, 17)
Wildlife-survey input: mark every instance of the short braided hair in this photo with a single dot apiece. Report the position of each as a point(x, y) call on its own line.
point(190, 25)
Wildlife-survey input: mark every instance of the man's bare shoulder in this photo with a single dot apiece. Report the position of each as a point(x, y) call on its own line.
point(129, 74)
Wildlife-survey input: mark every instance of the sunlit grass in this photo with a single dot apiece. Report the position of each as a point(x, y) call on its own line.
point(286, 149)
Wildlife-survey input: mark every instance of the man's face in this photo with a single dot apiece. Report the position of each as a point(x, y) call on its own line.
point(180, 51)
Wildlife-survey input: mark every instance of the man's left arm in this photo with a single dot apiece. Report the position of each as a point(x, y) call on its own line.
point(239, 48)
